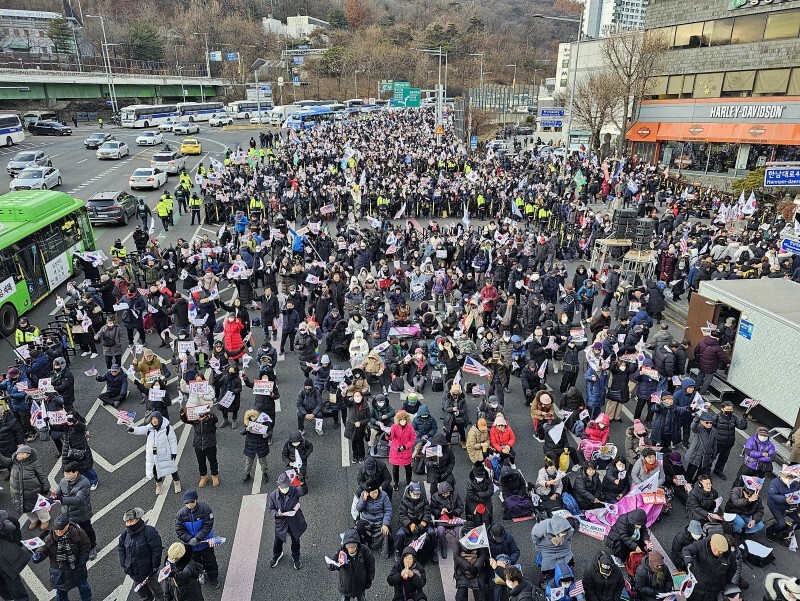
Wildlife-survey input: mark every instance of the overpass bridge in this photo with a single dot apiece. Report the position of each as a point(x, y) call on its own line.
point(50, 82)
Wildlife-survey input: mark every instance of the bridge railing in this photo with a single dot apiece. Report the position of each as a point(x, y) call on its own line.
point(93, 64)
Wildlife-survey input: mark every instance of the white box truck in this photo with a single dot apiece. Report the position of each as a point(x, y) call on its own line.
point(765, 353)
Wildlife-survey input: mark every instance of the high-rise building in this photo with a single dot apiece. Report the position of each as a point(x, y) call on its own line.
point(726, 99)
point(606, 17)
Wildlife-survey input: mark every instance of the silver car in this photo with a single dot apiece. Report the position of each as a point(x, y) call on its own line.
point(169, 161)
point(28, 158)
point(113, 150)
point(36, 178)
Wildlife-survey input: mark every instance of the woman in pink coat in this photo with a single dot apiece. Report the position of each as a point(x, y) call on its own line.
point(401, 445)
point(232, 336)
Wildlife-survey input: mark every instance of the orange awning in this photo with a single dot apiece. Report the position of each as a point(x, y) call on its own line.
point(742, 133)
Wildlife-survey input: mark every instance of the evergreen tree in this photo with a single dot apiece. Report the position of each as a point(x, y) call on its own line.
point(61, 34)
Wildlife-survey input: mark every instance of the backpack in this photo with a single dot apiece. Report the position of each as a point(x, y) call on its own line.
point(516, 506)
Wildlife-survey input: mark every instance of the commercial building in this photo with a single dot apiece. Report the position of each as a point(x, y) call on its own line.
point(298, 27)
point(27, 31)
point(605, 17)
point(727, 98)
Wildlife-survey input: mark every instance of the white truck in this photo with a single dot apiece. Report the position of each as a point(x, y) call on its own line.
point(281, 113)
point(765, 353)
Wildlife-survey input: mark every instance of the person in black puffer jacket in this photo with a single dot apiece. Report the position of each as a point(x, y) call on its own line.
point(628, 534)
point(256, 444)
point(414, 519)
point(358, 567)
point(230, 382)
point(602, 580)
point(140, 553)
point(652, 577)
point(183, 582)
point(701, 501)
point(76, 449)
point(587, 487)
point(205, 444)
point(726, 423)
point(478, 501)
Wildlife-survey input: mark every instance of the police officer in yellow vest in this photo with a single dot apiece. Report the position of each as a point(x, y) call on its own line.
point(169, 201)
point(194, 206)
point(481, 205)
point(256, 208)
point(383, 202)
point(530, 210)
point(163, 210)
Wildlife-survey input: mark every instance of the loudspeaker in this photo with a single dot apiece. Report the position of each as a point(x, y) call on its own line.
point(623, 223)
point(644, 233)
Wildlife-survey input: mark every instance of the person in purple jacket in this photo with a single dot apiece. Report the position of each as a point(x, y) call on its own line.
point(759, 453)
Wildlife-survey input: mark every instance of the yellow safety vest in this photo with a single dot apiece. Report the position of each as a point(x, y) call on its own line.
point(382, 201)
point(529, 208)
point(194, 201)
point(256, 204)
point(481, 200)
point(162, 208)
point(169, 202)
point(518, 202)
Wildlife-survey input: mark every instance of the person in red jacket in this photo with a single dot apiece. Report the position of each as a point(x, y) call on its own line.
point(502, 439)
point(232, 336)
point(709, 356)
point(598, 429)
point(401, 444)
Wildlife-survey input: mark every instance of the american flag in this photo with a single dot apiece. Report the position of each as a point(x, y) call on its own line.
point(577, 589)
point(471, 366)
point(417, 544)
point(655, 397)
point(684, 243)
point(37, 414)
point(125, 417)
point(216, 541)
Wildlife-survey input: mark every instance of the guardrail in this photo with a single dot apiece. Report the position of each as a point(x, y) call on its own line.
point(93, 64)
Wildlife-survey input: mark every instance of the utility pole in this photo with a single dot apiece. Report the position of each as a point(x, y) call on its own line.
point(208, 56)
point(111, 90)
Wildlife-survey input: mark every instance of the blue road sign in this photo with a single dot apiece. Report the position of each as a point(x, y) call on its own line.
point(296, 79)
point(231, 56)
point(782, 176)
point(551, 123)
point(746, 329)
point(553, 113)
point(473, 142)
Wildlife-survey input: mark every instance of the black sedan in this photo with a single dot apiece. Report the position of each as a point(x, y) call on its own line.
point(97, 139)
point(49, 128)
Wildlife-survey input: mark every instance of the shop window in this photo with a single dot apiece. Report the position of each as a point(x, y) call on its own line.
point(771, 82)
point(748, 29)
point(707, 85)
point(688, 35)
point(738, 83)
point(794, 83)
point(668, 34)
point(721, 32)
point(782, 24)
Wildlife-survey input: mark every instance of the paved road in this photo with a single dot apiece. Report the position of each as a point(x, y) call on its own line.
point(240, 508)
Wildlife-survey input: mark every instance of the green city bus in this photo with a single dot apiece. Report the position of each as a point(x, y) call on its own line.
point(40, 230)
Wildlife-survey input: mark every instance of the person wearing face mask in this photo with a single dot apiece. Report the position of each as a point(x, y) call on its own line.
point(64, 382)
point(702, 446)
point(531, 382)
point(478, 441)
point(309, 407)
point(629, 534)
point(161, 449)
point(542, 412)
point(358, 415)
point(616, 482)
point(401, 444)
point(726, 424)
point(478, 500)
point(381, 418)
point(454, 406)
point(284, 507)
point(666, 424)
point(549, 486)
point(618, 393)
point(785, 484)
point(230, 382)
point(519, 589)
point(295, 453)
point(652, 578)
point(140, 549)
point(446, 504)
point(744, 503)
point(414, 518)
point(759, 453)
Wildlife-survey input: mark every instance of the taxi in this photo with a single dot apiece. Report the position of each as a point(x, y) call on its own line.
point(191, 146)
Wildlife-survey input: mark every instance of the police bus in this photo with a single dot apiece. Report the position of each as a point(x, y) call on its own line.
point(147, 115)
point(11, 130)
point(309, 117)
point(244, 109)
point(198, 111)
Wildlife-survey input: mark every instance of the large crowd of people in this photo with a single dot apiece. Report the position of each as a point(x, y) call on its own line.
point(474, 309)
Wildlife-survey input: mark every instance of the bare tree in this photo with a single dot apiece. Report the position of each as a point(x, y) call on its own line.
point(594, 103)
point(632, 58)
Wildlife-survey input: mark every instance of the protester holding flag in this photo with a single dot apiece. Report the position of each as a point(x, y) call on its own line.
point(415, 523)
point(711, 564)
point(471, 557)
point(745, 504)
point(781, 491)
point(74, 494)
point(284, 507)
point(652, 578)
point(27, 483)
point(67, 547)
point(76, 448)
point(356, 566)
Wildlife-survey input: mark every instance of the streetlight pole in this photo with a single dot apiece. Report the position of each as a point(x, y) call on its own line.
point(77, 48)
point(579, 21)
point(259, 62)
point(355, 80)
point(208, 58)
point(111, 90)
point(480, 86)
point(513, 87)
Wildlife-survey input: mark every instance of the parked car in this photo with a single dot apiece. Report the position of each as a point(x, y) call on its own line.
point(150, 138)
point(220, 120)
point(97, 139)
point(49, 128)
point(168, 160)
point(182, 129)
point(28, 158)
point(264, 118)
point(36, 178)
point(113, 149)
point(111, 206)
point(168, 125)
point(191, 146)
point(147, 177)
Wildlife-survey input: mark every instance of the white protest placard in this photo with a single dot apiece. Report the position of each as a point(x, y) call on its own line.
point(120, 306)
point(152, 376)
point(193, 412)
point(198, 387)
point(227, 399)
point(578, 335)
point(263, 386)
point(593, 530)
point(337, 375)
point(257, 428)
point(156, 394)
point(186, 346)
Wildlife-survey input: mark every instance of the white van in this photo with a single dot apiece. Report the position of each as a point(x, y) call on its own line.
point(279, 114)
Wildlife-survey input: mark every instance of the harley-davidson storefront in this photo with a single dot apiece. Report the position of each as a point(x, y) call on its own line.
point(721, 136)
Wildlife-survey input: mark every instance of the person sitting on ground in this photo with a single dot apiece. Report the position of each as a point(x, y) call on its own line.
point(652, 578)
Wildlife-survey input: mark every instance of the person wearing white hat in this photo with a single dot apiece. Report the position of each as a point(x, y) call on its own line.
point(779, 587)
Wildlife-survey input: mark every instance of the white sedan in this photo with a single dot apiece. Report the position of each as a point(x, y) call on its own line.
point(147, 177)
point(182, 129)
point(36, 178)
point(265, 119)
point(167, 125)
point(150, 138)
point(220, 120)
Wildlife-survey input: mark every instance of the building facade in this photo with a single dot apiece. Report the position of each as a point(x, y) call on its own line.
point(298, 27)
point(27, 31)
point(605, 17)
point(727, 98)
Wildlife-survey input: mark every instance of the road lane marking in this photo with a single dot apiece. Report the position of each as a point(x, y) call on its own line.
point(345, 447)
point(240, 577)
